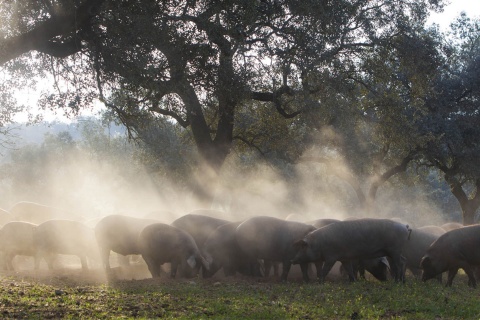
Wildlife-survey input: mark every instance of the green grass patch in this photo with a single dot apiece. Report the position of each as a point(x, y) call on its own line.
point(53, 298)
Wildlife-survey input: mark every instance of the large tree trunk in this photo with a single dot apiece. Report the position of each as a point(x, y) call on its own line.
point(469, 205)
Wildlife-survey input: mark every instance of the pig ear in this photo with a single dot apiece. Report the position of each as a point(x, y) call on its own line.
point(191, 261)
point(300, 244)
point(206, 262)
point(384, 260)
point(426, 261)
point(208, 258)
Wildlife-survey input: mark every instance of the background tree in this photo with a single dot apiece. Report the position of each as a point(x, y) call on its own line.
point(202, 62)
point(199, 61)
point(374, 136)
point(453, 116)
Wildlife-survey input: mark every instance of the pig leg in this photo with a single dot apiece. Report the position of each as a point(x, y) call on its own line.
point(360, 270)
point(451, 274)
point(398, 263)
point(327, 266)
point(83, 261)
point(471, 277)
point(286, 268)
point(49, 259)
point(267, 265)
point(151, 266)
point(304, 267)
point(105, 255)
point(275, 268)
point(9, 257)
point(36, 263)
point(174, 267)
point(349, 268)
point(318, 266)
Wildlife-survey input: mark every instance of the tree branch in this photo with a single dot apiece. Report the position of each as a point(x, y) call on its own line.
point(44, 36)
point(174, 115)
point(390, 173)
point(274, 97)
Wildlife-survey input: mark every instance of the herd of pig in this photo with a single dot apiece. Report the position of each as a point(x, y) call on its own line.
point(197, 244)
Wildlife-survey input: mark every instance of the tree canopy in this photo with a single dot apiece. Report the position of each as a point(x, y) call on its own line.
point(275, 76)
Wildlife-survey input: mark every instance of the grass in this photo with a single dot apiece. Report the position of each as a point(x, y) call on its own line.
point(74, 296)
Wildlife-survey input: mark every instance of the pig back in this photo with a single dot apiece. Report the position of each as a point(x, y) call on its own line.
point(198, 226)
point(458, 244)
point(120, 233)
point(17, 237)
point(5, 217)
point(65, 237)
point(418, 244)
point(163, 242)
point(270, 238)
point(361, 238)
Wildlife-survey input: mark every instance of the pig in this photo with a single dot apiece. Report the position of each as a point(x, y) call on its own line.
point(378, 267)
point(351, 240)
point(199, 227)
point(458, 248)
point(272, 239)
point(318, 223)
point(416, 247)
point(295, 217)
point(16, 238)
point(119, 233)
point(221, 250)
point(433, 230)
point(451, 226)
point(160, 243)
point(66, 237)
point(37, 213)
point(160, 215)
point(5, 217)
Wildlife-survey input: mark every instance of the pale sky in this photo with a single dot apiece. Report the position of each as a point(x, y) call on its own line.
point(451, 11)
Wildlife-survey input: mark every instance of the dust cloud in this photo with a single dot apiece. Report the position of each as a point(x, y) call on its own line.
point(90, 189)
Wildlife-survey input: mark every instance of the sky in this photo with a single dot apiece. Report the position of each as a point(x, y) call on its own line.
point(451, 11)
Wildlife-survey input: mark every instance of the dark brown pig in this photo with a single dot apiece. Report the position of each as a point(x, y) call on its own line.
point(199, 226)
point(416, 247)
point(119, 233)
point(16, 238)
point(359, 239)
point(221, 250)
point(458, 248)
point(378, 267)
point(160, 243)
point(272, 239)
point(65, 237)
